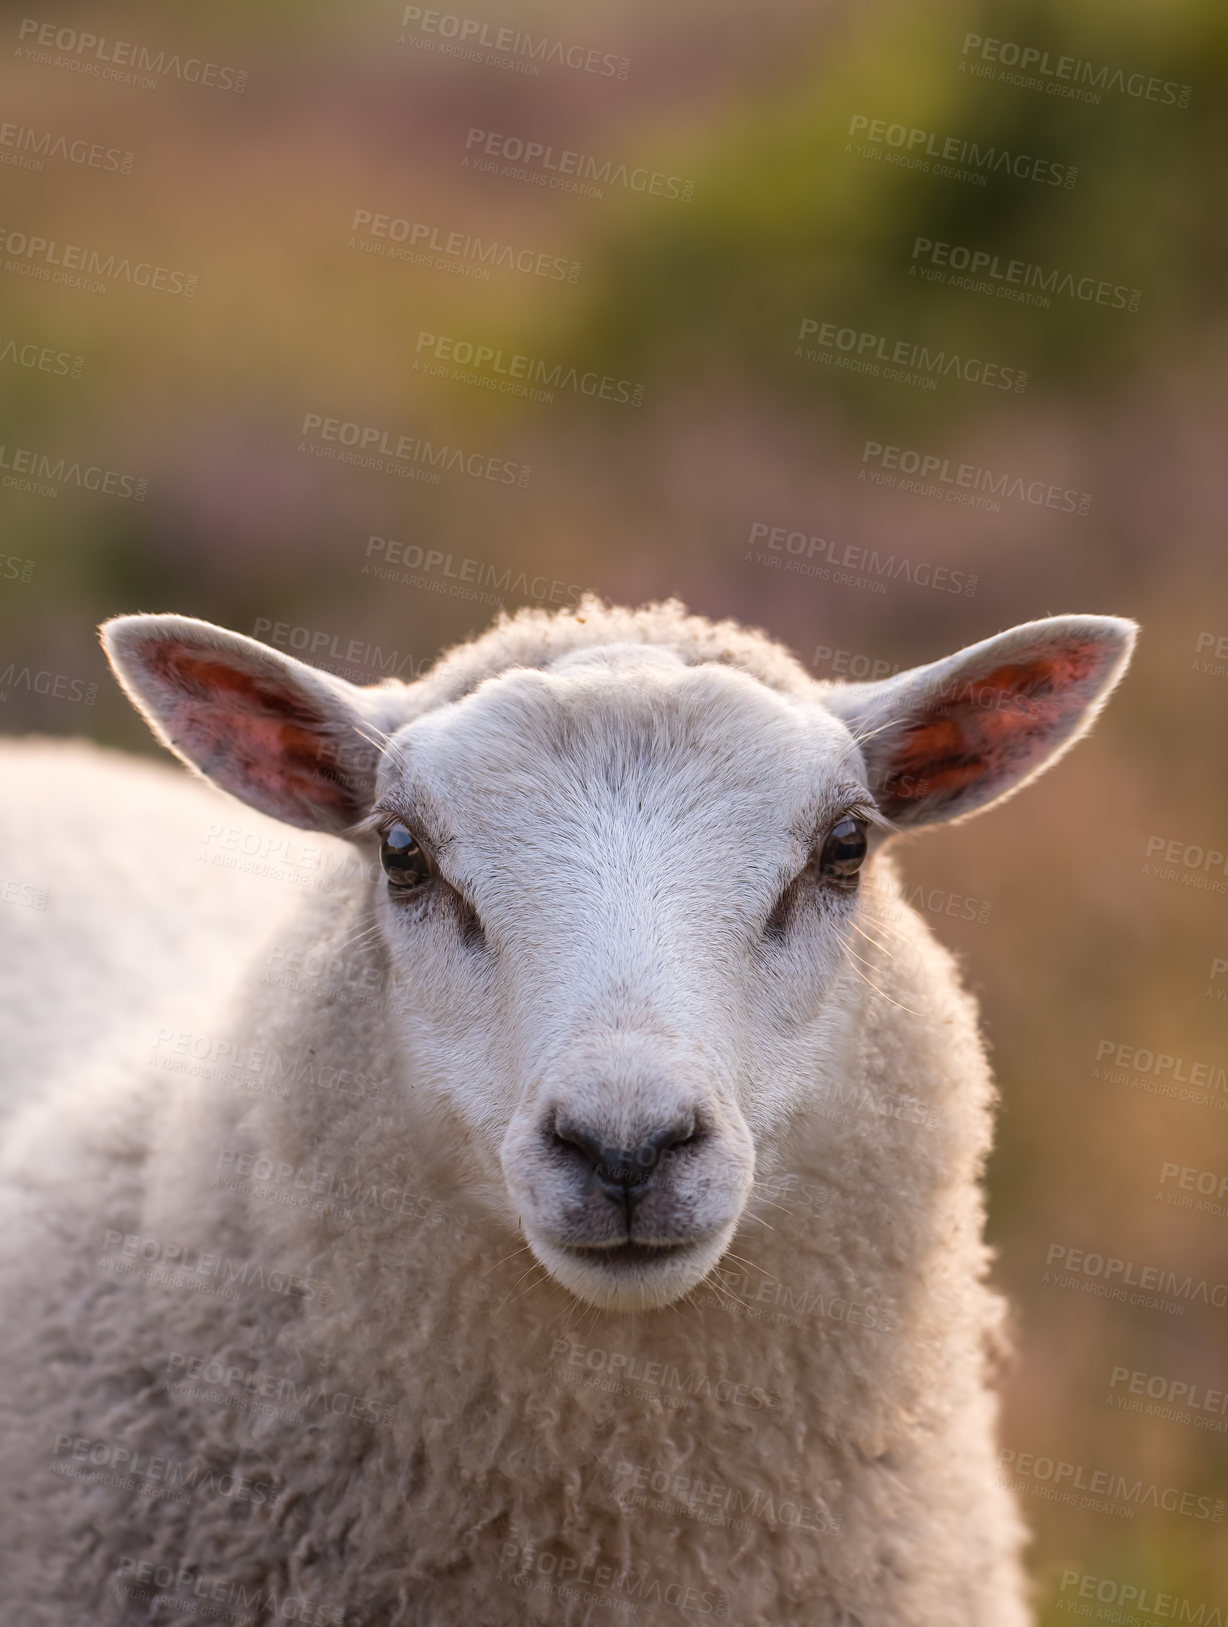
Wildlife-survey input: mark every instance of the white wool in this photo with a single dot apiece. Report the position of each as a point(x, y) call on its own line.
point(299, 1318)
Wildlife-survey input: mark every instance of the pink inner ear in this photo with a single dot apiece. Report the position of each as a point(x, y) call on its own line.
point(207, 679)
point(988, 727)
point(273, 757)
point(250, 734)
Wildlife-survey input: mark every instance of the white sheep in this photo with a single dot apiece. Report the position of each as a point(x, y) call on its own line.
point(587, 1225)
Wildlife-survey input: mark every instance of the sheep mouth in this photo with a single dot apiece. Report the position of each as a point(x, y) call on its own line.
point(626, 1275)
point(629, 1255)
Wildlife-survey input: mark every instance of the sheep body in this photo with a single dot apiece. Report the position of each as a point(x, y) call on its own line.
point(108, 856)
point(343, 1395)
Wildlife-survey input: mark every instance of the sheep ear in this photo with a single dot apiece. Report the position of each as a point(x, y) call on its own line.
point(943, 740)
point(282, 736)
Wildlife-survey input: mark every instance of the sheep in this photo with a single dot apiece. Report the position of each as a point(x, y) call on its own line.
point(110, 986)
point(618, 1254)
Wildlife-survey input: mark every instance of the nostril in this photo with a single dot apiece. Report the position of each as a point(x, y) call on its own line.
point(569, 1135)
point(685, 1133)
point(624, 1167)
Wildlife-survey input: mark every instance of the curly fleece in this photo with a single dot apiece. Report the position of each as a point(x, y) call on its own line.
point(338, 1403)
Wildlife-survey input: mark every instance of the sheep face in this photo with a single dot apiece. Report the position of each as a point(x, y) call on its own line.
point(616, 951)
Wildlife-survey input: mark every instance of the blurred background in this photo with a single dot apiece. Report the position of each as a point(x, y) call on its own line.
point(882, 327)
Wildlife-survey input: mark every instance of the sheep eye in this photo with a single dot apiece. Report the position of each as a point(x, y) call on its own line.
point(404, 862)
point(843, 851)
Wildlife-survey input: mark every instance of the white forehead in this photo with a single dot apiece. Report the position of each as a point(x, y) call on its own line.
point(630, 732)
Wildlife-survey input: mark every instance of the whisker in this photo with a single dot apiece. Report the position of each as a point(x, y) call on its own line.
point(359, 936)
point(898, 1005)
point(574, 1314)
point(758, 1197)
point(870, 938)
point(377, 737)
point(753, 1264)
point(861, 733)
point(537, 1283)
point(902, 942)
point(880, 946)
point(367, 918)
point(884, 925)
point(593, 1312)
point(522, 1276)
point(721, 1288)
point(853, 955)
point(511, 1296)
point(589, 1314)
point(567, 1317)
point(506, 1257)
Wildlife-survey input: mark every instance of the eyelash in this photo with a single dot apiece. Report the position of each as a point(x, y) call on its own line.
point(777, 922)
point(469, 921)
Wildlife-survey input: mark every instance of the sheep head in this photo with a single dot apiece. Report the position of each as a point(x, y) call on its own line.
point(618, 887)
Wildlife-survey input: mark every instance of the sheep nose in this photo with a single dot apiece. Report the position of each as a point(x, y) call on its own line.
point(623, 1173)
